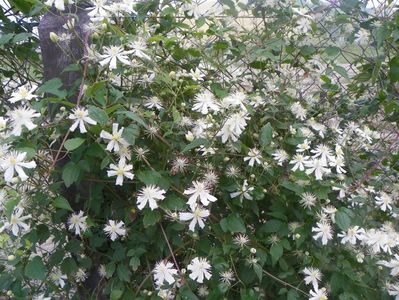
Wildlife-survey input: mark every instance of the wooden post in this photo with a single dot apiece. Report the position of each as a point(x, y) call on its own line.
point(56, 57)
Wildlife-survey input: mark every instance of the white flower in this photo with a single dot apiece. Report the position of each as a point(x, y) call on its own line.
point(200, 269)
point(233, 127)
point(298, 111)
point(351, 235)
point(150, 194)
point(164, 271)
point(121, 170)
point(393, 290)
point(304, 146)
point(22, 116)
point(59, 4)
point(16, 222)
point(281, 156)
point(115, 229)
point(241, 240)
point(308, 200)
point(384, 201)
point(77, 222)
point(318, 167)
point(324, 152)
point(362, 37)
point(23, 93)
point(244, 192)
point(138, 47)
point(313, 276)
point(3, 123)
point(58, 278)
point(393, 264)
point(323, 231)
point(227, 277)
point(205, 102)
point(196, 75)
point(299, 161)
point(81, 116)
point(338, 162)
point(318, 294)
point(199, 191)
point(254, 156)
point(41, 297)
point(196, 216)
point(98, 12)
point(14, 162)
point(112, 55)
point(236, 99)
point(116, 141)
point(153, 102)
point(80, 275)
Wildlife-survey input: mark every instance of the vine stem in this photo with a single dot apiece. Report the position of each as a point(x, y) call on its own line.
point(285, 283)
point(170, 248)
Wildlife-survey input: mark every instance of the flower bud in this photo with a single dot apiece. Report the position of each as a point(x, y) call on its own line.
point(11, 257)
point(226, 159)
point(53, 37)
point(189, 137)
point(253, 250)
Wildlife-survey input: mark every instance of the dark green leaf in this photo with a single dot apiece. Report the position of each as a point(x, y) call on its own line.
point(98, 114)
point(266, 134)
point(73, 144)
point(61, 202)
point(35, 269)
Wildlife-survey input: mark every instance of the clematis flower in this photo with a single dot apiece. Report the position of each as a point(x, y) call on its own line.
point(22, 117)
point(121, 170)
point(81, 116)
point(115, 229)
point(14, 162)
point(164, 271)
point(199, 191)
point(23, 93)
point(197, 216)
point(150, 194)
point(200, 269)
point(112, 55)
point(116, 141)
point(16, 223)
point(77, 222)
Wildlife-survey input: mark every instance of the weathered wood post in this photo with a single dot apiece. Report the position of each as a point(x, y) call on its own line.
point(56, 57)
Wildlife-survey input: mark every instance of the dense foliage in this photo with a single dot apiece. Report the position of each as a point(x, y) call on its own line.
point(215, 150)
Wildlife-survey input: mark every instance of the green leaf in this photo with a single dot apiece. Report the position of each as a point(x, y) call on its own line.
point(130, 133)
point(149, 177)
point(73, 144)
point(70, 173)
point(35, 269)
point(134, 117)
point(342, 219)
point(134, 263)
point(97, 114)
point(307, 50)
point(116, 294)
point(53, 87)
point(266, 135)
point(332, 51)
point(61, 202)
point(194, 144)
point(123, 273)
point(69, 266)
point(258, 271)
point(233, 223)
point(276, 251)
point(151, 218)
point(394, 69)
point(21, 37)
point(5, 38)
